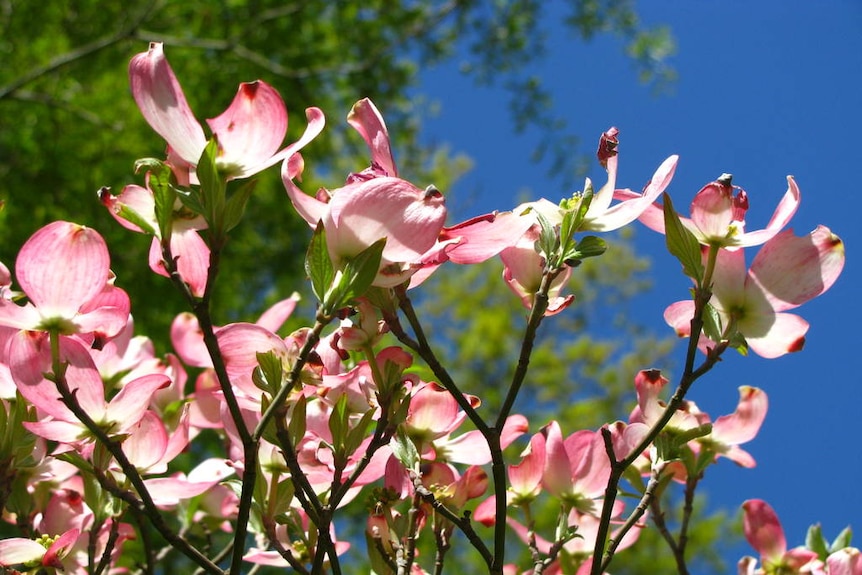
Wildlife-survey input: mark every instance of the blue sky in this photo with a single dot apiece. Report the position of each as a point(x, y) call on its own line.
point(765, 89)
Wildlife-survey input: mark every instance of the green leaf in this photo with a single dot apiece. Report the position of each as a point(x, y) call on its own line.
point(548, 243)
point(358, 432)
point(405, 451)
point(212, 188)
point(191, 199)
point(583, 207)
point(588, 247)
point(355, 278)
point(270, 432)
point(843, 540)
point(135, 218)
point(268, 377)
point(235, 207)
point(296, 424)
point(683, 437)
point(815, 541)
point(712, 327)
point(339, 422)
point(737, 342)
point(284, 494)
point(379, 566)
point(162, 183)
point(681, 243)
point(318, 266)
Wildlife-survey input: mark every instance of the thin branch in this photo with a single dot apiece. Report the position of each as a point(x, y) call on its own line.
point(201, 309)
point(640, 509)
point(703, 293)
point(79, 53)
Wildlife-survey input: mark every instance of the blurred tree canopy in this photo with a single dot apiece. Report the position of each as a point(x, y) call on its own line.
point(68, 126)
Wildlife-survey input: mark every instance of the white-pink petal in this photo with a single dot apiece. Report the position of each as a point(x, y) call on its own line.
point(61, 267)
point(774, 336)
point(783, 213)
point(252, 128)
point(791, 270)
point(743, 424)
point(763, 530)
point(129, 405)
point(360, 214)
point(366, 119)
point(163, 104)
point(633, 205)
point(17, 550)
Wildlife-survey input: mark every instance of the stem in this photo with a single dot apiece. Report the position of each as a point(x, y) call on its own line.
point(146, 542)
point(702, 296)
point(201, 309)
point(463, 523)
point(687, 511)
point(407, 556)
point(105, 559)
point(269, 526)
point(537, 314)
point(427, 354)
point(491, 435)
point(643, 504)
point(443, 545)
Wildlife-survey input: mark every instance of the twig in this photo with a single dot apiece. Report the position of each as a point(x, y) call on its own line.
point(78, 53)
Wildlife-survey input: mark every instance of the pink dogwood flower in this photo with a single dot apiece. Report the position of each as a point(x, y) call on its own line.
point(45, 552)
point(249, 132)
point(434, 415)
point(728, 431)
point(30, 358)
point(847, 561)
point(602, 216)
point(375, 204)
point(190, 250)
point(576, 468)
point(718, 215)
point(64, 271)
point(786, 272)
point(764, 532)
point(524, 267)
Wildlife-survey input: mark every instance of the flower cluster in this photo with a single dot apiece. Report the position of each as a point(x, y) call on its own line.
point(244, 434)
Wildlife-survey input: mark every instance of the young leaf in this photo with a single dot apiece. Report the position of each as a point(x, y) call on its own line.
point(161, 182)
point(584, 202)
point(339, 423)
point(271, 371)
point(358, 432)
point(212, 188)
point(318, 266)
point(842, 541)
point(235, 207)
point(681, 243)
point(548, 242)
point(712, 323)
point(296, 425)
point(356, 277)
point(191, 199)
point(588, 247)
point(815, 541)
point(135, 218)
point(405, 451)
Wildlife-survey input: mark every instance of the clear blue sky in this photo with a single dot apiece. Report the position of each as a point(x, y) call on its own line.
point(765, 89)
